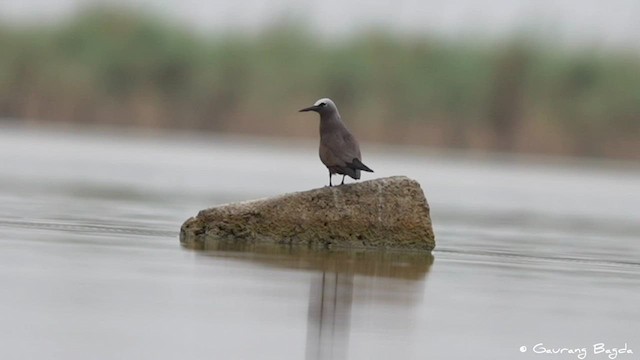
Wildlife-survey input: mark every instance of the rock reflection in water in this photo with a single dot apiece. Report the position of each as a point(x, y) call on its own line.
point(331, 292)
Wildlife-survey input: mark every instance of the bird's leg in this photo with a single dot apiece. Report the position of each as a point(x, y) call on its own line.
point(330, 179)
point(342, 183)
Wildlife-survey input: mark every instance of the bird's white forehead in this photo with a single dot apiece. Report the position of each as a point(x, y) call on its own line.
point(323, 100)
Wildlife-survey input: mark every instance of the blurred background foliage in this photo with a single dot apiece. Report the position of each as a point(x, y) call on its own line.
point(106, 66)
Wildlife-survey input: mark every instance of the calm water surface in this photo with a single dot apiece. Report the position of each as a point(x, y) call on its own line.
point(528, 252)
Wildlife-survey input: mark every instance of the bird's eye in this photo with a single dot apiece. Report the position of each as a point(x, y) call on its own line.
point(323, 104)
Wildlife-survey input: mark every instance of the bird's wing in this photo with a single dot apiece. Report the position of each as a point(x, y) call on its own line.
point(351, 147)
point(339, 149)
point(329, 157)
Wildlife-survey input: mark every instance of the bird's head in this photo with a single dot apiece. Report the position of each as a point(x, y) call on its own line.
point(322, 106)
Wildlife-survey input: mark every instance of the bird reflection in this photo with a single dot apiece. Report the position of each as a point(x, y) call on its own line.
point(332, 288)
point(330, 299)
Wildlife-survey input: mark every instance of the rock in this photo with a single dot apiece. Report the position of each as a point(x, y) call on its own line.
point(389, 213)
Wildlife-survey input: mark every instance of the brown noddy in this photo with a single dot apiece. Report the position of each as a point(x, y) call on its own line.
point(339, 149)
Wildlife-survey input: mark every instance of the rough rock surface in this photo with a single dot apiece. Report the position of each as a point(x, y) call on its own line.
point(389, 213)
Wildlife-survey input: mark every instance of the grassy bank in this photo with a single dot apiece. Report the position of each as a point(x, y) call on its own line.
point(118, 68)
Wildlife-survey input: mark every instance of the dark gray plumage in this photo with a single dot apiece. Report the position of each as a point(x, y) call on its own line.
point(339, 150)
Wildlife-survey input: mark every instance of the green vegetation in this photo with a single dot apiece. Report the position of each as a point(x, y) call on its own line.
point(119, 68)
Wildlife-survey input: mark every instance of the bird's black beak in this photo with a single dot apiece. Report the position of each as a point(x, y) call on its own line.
point(310, 108)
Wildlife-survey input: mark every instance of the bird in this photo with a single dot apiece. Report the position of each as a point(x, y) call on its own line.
point(339, 149)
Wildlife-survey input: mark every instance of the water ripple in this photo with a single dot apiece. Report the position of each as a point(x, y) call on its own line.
point(69, 227)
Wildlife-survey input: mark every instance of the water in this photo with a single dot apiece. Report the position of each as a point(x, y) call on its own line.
point(528, 252)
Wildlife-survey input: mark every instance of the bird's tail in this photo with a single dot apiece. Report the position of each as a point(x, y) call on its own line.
point(357, 164)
